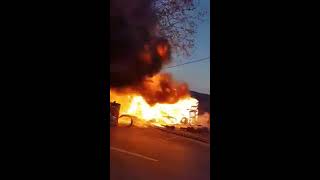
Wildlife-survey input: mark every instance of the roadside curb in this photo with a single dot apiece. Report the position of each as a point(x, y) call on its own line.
point(185, 134)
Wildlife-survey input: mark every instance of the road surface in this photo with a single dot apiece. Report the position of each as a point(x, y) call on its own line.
point(151, 154)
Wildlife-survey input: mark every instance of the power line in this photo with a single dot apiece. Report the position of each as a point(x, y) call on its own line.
point(190, 62)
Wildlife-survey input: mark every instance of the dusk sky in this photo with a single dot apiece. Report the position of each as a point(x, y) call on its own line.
point(197, 75)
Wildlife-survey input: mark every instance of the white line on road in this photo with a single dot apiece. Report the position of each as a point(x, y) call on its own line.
point(134, 154)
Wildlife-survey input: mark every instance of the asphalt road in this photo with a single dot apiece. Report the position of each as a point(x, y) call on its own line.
point(151, 154)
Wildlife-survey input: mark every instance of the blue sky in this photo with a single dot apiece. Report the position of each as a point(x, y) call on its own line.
point(197, 75)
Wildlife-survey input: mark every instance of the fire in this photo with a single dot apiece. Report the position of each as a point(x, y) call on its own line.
point(183, 111)
point(158, 99)
point(160, 88)
point(162, 113)
point(162, 50)
point(146, 55)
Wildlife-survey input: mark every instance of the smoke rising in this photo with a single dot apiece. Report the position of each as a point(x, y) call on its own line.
point(136, 51)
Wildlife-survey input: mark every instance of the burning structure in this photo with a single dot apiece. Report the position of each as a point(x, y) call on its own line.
point(138, 54)
point(184, 111)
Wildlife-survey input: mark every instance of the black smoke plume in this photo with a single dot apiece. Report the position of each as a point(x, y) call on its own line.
point(136, 50)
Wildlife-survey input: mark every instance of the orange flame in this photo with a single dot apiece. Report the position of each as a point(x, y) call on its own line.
point(163, 50)
point(165, 114)
point(159, 100)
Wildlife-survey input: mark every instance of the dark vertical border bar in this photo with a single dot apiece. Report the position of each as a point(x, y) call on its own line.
point(102, 51)
point(216, 87)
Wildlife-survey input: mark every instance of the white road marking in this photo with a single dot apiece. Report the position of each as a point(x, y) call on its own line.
point(134, 154)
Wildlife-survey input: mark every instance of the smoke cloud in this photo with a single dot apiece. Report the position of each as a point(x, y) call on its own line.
point(137, 51)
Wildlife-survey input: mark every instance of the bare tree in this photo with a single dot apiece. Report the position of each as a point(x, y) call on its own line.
point(178, 21)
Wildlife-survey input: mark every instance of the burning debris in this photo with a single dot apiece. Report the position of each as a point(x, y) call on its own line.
point(182, 112)
point(135, 111)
